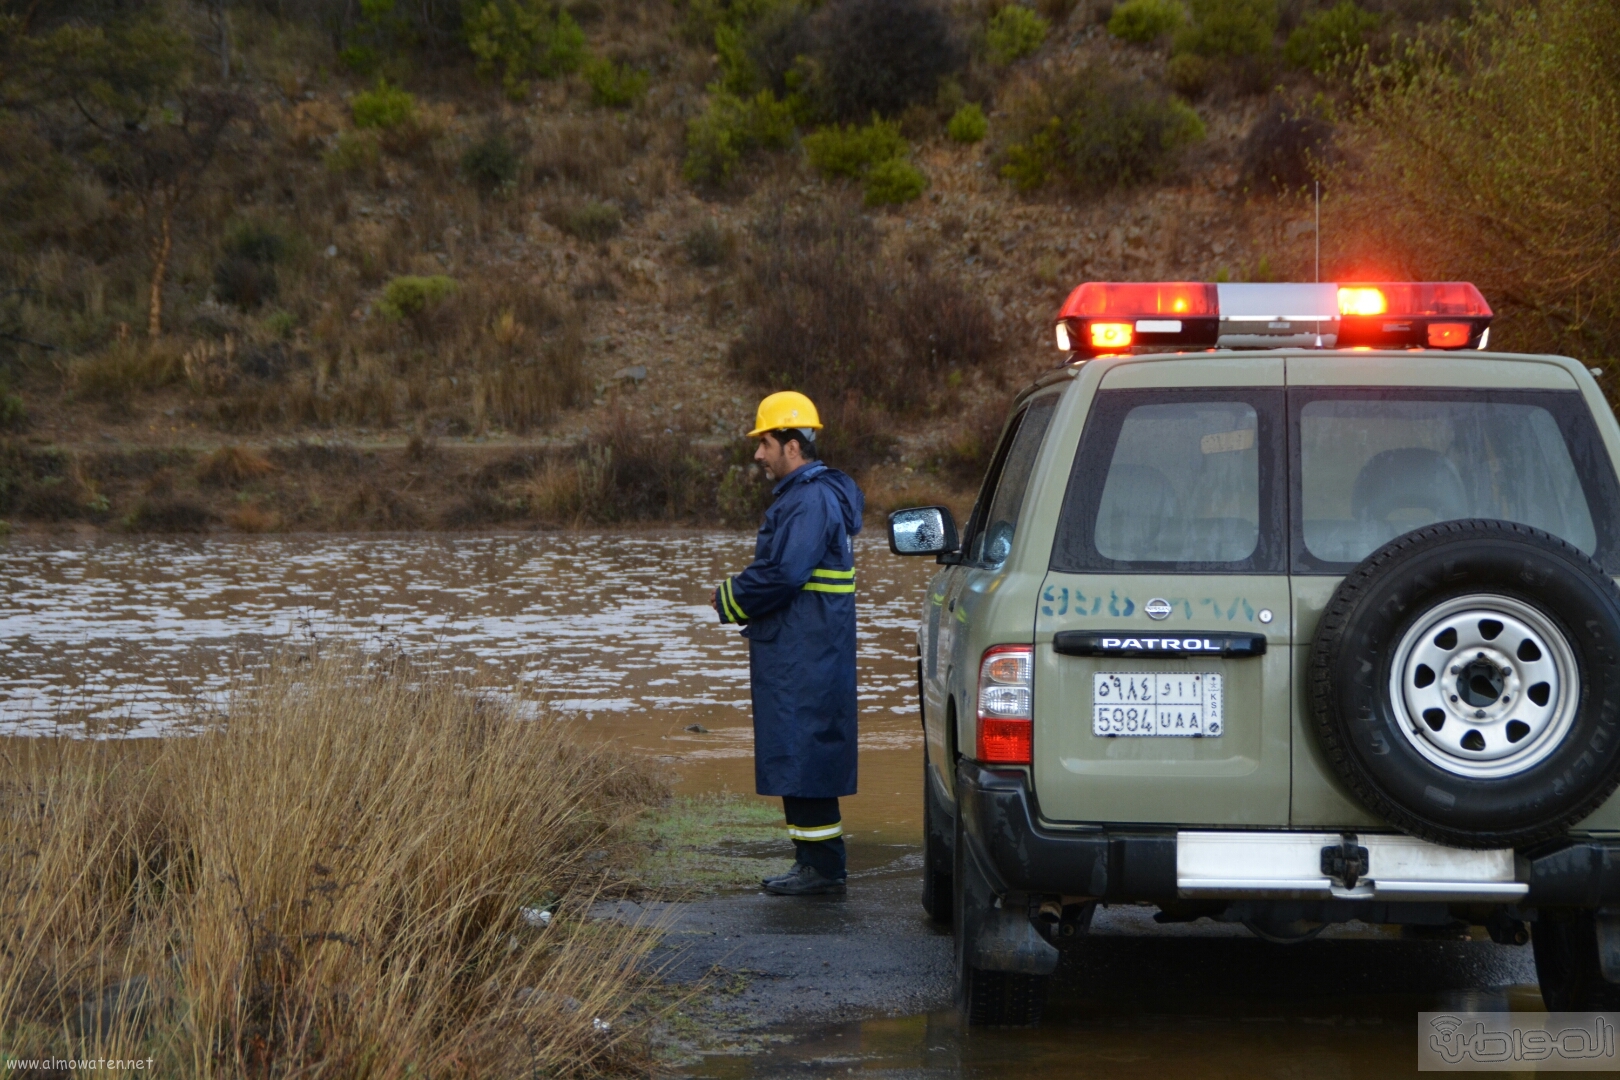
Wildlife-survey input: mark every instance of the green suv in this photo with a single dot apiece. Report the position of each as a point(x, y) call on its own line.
point(1284, 605)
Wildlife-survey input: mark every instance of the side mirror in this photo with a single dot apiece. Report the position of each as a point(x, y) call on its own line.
point(924, 530)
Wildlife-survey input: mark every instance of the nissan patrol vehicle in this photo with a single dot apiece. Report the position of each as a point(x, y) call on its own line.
point(1285, 605)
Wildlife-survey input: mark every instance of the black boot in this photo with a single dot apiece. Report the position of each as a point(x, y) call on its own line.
point(791, 871)
point(805, 881)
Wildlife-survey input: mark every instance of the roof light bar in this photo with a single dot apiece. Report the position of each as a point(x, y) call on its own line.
point(1106, 318)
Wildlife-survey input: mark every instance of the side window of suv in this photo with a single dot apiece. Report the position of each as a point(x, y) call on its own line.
point(1185, 480)
point(995, 519)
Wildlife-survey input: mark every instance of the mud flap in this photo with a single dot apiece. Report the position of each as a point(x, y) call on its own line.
point(1000, 936)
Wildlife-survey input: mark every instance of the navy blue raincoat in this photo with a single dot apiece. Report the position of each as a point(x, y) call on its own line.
point(797, 600)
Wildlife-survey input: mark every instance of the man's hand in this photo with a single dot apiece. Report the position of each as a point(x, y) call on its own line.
point(714, 601)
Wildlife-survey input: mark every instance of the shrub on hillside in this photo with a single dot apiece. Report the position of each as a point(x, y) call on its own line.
point(615, 86)
point(416, 299)
point(710, 245)
point(731, 128)
point(967, 124)
point(852, 150)
point(589, 221)
point(1229, 29)
point(1328, 39)
point(246, 272)
point(832, 318)
point(892, 182)
point(626, 474)
point(879, 56)
point(1013, 33)
point(383, 107)
point(1493, 156)
point(522, 40)
point(492, 162)
point(1286, 149)
point(1142, 22)
point(1093, 130)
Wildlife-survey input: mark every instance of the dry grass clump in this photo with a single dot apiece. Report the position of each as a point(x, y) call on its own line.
point(232, 466)
point(330, 880)
point(625, 475)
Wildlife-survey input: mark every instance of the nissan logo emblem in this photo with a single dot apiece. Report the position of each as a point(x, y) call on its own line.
point(1157, 608)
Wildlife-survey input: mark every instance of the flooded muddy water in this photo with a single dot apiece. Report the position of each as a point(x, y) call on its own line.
point(109, 638)
point(116, 638)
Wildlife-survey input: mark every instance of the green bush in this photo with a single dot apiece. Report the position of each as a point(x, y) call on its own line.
point(894, 181)
point(1189, 74)
point(1094, 130)
point(880, 56)
point(590, 221)
point(1013, 33)
point(524, 39)
point(410, 296)
point(383, 107)
point(967, 124)
point(1142, 22)
point(492, 162)
point(731, 127)
point(1229, 29)
point(1327, 39)
point(615, 86)
point(851, 151)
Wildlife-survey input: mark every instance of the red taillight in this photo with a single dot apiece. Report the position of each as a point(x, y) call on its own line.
point(1449, 335)
point(1111, 335)
point(1006, 728)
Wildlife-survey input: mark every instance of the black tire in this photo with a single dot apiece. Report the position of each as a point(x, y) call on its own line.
point(987, 998)
point(1565, 943)
point(936, 875)
point(1384, 602)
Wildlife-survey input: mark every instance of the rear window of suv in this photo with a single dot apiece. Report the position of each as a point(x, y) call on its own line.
point(1371, 465)
point(1176, 481)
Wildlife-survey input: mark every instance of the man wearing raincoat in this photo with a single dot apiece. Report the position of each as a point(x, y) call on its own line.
point(796, 604)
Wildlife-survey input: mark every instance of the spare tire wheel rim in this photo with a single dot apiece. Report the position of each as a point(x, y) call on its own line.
point(1485, 686)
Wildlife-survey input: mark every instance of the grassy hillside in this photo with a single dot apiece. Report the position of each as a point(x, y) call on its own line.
point(310, 264)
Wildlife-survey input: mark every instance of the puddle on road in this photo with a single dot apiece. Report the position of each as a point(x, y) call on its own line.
point(120, 637)
point(1135, 1006)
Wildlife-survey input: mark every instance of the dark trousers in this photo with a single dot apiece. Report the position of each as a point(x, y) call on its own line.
point(817, 830)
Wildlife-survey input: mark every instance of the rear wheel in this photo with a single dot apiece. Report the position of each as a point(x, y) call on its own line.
point(936, 875)
point(987, 998)
point(1566, 946)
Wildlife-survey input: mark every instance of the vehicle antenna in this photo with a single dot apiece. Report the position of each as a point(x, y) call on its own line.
point(1317, 232)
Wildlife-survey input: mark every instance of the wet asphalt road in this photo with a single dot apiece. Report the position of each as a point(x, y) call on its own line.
point(861, 984)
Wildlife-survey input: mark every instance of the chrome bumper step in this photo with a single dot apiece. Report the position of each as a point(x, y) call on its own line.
point(1288, 865)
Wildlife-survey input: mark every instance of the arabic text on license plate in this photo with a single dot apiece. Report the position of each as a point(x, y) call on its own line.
point(1156, 703)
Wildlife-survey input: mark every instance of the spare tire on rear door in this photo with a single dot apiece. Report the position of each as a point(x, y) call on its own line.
point(1465, 683)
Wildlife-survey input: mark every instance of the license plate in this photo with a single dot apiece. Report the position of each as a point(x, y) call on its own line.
point(1184, 704)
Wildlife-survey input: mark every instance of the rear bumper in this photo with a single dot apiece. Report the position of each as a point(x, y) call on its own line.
point(1131, 863)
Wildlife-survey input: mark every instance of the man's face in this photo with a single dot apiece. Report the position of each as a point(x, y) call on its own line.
point(779, 459)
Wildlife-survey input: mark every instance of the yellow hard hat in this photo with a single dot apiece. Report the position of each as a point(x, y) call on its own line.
point(785, 409)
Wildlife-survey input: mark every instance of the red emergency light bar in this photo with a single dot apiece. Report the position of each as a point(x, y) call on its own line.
point(1107, 318)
